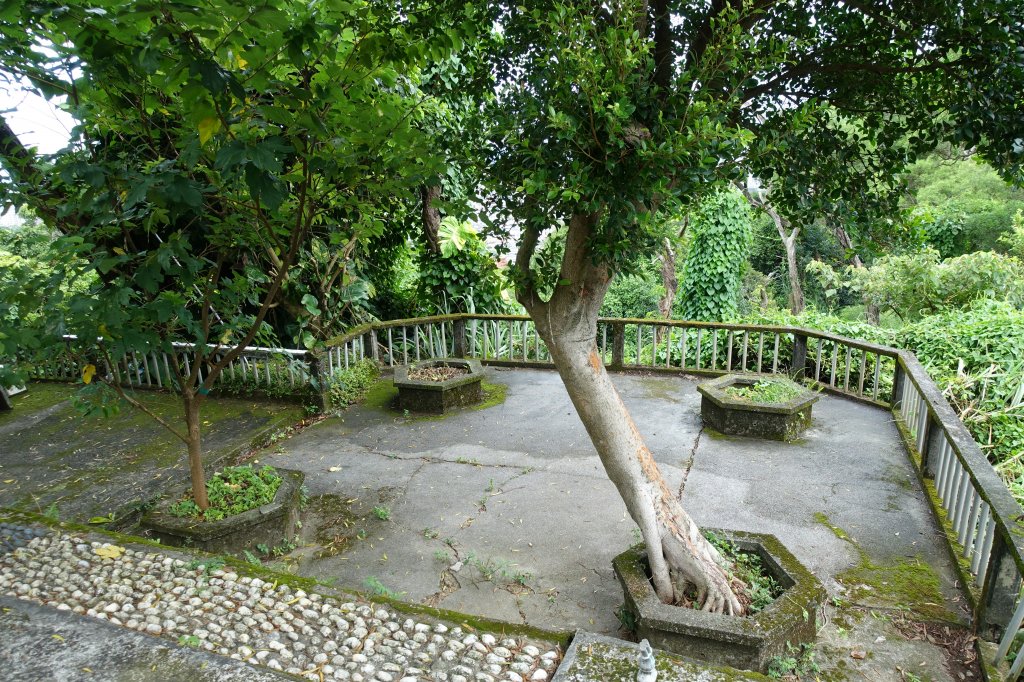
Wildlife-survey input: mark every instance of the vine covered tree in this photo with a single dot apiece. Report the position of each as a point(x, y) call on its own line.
point(608, 115)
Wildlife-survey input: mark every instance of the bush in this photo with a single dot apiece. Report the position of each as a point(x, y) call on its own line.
point(919, 284)
point(977, 357)
point(719, 248)
point(347, 386)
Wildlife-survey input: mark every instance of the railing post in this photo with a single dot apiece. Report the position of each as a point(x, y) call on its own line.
point(459, 332)
point(618, 345)
point(932, 442)
point(319, 381)
point(899, 377)
point(999, 595)
point(370, 345)
point(799, 367)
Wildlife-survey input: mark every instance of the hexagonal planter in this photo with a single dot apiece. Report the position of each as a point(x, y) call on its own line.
point(736, 417)
point(267, 525)
point(437, 397)
point(747, 643)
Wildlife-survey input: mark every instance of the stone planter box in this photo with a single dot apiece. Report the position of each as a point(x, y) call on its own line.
point(437, 397)
point(735, 417)
point(747, 643)
point(269, 525)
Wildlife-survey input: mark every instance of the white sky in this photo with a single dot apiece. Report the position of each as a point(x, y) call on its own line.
point(37, 123)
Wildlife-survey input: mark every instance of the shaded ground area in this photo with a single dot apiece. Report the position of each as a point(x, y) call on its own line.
point(51, 455)
point(506, 512)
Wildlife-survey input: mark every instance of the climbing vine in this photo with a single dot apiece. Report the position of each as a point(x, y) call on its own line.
point(719, 247)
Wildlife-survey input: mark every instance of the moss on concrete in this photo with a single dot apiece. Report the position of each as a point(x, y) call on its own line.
point(39, 396)
point(823, 519)
point(95, 466)
point(903, 583)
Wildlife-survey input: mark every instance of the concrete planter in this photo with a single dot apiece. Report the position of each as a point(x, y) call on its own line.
point(748, 643)
point(437, 397)
point(270, 524)
point(735, 417)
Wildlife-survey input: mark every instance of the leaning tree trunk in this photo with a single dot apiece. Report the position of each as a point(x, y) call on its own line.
point(678, 554)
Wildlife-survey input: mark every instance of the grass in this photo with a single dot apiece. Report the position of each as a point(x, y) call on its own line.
point(770, 391)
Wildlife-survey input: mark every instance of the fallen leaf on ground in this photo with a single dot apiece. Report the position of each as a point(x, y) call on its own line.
point(859, 655)
point(109, 551)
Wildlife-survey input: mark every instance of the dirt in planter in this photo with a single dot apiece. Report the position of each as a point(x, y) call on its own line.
point(437, 373)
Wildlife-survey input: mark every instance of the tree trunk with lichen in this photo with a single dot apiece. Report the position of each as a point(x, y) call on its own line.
point(678, 554)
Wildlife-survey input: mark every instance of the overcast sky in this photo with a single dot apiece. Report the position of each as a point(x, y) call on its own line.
point(36, 122)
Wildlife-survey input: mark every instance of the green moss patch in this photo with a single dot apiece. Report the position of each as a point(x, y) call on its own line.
point(111, 466)
point(39, 396)
point(904, 583)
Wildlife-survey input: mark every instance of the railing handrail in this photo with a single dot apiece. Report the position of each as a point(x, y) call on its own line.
point(1006, 511)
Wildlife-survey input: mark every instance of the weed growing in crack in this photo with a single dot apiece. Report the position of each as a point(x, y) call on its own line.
point(382, 512)
point(374, 585)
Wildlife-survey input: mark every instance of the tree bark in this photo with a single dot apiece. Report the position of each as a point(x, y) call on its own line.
point(871, 312)
point(668, 279)
point(789, 236)
point(195, 450)
point(678, 554)
point(431, 216)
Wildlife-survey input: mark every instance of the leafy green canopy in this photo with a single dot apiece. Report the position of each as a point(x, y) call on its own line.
point(619, 110)
point(215, 138)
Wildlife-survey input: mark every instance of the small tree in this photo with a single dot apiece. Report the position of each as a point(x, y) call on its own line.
point(213, 140)
point(607, 115)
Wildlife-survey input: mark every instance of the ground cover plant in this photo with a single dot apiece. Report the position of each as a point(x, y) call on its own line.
point(766, 391)
point(231, 491)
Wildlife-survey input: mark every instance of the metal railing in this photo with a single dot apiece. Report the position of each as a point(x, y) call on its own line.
point(983, 522)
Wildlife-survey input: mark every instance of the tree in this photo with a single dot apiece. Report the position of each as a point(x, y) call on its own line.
point(214, 141)
point(608, 115)
point(788, 234)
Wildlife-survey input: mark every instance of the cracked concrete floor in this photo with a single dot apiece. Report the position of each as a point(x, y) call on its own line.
point(507, 513)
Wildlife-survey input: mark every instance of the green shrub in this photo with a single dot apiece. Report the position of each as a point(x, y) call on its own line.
point(347, 386)
point(767, 391)
point(231, 491)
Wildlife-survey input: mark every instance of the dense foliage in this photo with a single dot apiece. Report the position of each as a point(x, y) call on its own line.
point(719, 248)
point(233, 490)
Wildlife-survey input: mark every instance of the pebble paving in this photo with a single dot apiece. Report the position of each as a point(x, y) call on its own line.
point(249, 619)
